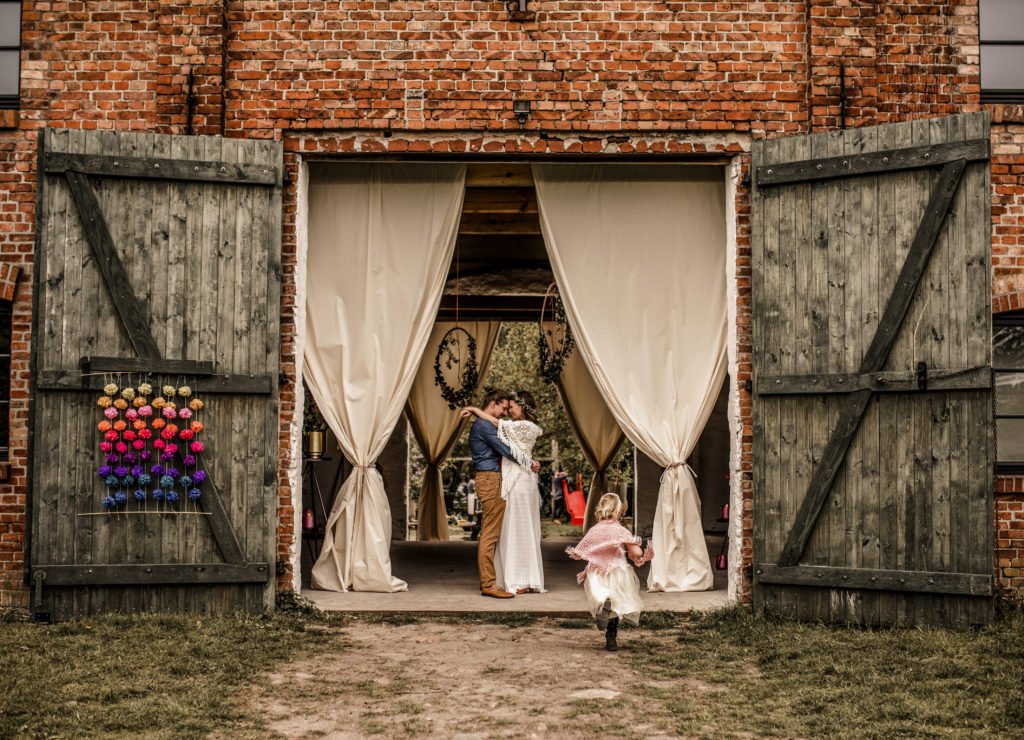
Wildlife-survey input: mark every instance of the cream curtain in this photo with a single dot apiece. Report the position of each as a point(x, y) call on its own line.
point(638, 252)
point(592, 422)
point(381, 238)
point(436, 427)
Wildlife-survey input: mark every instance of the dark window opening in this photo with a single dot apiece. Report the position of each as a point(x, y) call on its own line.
point(1008, 364)
point(1002, 51)
point(10, 52)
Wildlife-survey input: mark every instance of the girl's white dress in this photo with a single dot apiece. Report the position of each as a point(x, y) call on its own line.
point(517, 559)
point(611, 584)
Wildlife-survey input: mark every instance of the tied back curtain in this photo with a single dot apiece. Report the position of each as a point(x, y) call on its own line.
point(638, 253)
point(381, 238)
point(596, 430)
point(436, 427)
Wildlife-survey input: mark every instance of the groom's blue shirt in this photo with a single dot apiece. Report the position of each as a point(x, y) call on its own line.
point(486, 448)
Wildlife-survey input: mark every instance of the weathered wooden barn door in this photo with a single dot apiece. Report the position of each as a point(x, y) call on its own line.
point(158, 261)
point(873, 428)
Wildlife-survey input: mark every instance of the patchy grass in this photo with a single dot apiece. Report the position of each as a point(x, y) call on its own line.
point(743, 674)
point(724, 674)
point(157, 676)
point(549, 529)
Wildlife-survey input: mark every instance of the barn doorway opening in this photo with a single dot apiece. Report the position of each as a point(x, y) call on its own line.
point(500, 273)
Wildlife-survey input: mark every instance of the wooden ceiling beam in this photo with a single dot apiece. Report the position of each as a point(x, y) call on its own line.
point(499, 223)
point(490, 175)
point(500, 200)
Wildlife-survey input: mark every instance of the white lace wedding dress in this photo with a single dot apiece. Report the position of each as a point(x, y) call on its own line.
point(517, 560)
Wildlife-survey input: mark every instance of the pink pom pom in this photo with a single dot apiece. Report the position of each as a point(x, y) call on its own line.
point(111, 436)
point(139, 444)
point(128, 436)
point(186, 434)
point(184, 414)
point(106, 446)
point(172, 448)
point(159, 444)
point(121, 448)
point(131, 414)
point(145, 433)
point(169, 413)
point(167, 433)
point(146, 411)
point(111, 412)
point(196, 447)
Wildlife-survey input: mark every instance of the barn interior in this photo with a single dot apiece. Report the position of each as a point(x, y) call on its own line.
point(501, 272)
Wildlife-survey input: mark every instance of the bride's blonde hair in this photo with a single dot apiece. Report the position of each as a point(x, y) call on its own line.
point(609, 506)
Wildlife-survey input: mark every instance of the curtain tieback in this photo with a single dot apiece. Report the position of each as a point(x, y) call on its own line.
point(682, 464)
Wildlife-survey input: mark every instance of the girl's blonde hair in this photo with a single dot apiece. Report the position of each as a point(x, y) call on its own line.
point(609, 506)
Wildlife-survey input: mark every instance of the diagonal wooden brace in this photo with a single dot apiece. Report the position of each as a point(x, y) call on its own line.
point(874, 360)
point(131, 310)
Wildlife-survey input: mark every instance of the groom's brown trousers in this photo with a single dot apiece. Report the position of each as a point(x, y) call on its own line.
point(488, 490)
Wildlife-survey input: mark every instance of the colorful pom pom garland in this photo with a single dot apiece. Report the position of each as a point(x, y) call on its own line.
point(136, 464)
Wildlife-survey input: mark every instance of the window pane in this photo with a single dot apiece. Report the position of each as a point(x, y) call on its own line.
point(10, 24)
point(1002, 20)
point(9, 72)
point(1010, 440)
point(1008, 347)
point(1002, 67)
point(1010, 394)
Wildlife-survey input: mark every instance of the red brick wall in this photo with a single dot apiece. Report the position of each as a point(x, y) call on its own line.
point(603, 77)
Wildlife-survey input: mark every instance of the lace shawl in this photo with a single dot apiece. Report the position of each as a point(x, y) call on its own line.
point(603, 547)
point(519, 436)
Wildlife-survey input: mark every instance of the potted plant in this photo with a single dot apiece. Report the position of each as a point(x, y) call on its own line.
point(313, 428)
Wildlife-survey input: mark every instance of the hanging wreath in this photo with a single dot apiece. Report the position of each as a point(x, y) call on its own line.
point(449, 354)
point(553, 355)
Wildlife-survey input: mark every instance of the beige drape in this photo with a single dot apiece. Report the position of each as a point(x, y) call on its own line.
point(638, 252)
point(381, 238)
point(592, 422)
point(436, 427)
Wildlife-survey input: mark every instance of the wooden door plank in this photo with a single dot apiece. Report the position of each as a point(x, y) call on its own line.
point(180, 574)
point(874, 360)
point(846, 164)
point(888, 381)
point(162, 169)
point(910, 581)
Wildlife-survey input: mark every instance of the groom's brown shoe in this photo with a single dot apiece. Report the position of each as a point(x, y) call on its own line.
point(496, 593)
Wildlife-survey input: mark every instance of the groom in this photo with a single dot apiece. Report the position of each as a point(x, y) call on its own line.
point(487, 451)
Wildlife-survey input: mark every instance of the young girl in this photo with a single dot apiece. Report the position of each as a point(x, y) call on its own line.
point(611, 585)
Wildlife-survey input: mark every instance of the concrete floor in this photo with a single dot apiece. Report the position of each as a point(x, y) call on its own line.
point(442, 578)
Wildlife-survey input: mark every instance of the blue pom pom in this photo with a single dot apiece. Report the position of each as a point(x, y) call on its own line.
point(172, 497)
point(121, 498)
point(109, 502)
point(128, 481)
point(145, 479)
point(113, 481)
point(140, 495)
point(185, 481)
point(194, 494)
point(158, 494)
point(167, 482)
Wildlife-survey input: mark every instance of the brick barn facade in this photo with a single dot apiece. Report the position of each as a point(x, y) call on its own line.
point(404, 77)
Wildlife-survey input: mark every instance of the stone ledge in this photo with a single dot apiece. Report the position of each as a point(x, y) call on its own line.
point(9, 118)
point(1006, 112)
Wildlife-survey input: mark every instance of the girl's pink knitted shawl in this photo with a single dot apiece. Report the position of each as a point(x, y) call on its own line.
point(603, 547)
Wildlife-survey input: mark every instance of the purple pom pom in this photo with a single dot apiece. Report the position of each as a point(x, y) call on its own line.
point(189, 460)
point(166, 456)
point(145, 455)
point(172, 473)
point(158, 470)
point(129, 458)
point(138, 470)
point(112, 458)
point(120, 471)
point(199, 477)
point(104, 470)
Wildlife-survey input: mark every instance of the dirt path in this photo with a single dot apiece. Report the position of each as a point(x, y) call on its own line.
point(468, 681)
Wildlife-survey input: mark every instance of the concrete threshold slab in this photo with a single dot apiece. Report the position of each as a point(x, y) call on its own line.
point(443, 580)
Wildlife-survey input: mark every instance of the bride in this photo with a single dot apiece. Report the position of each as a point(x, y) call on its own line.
point(517, 559)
